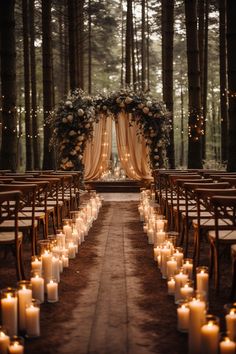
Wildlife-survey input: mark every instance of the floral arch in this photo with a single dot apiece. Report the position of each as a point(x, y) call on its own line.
point(74, 121)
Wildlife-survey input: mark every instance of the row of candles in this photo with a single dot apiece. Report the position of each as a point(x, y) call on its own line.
point(203, 329)
point(20, 308)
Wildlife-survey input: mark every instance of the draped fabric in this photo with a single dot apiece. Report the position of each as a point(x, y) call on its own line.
point(132, 149)
point(98, 150)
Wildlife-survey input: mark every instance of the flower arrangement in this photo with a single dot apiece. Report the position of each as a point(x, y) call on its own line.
point(75, 117)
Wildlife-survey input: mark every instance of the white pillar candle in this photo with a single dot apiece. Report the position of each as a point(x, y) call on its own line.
point(165, 254)
point(230, 319)
point(71, 250)
point(37, 288)
point(47, 265)
point(180, 279)
point(227, 346)
point(197, 309)
point(171, 286)
point(156, 251)
point(160, 224)
point(186, 291)
point(159, 238)
point(178, 254)
point(52, 291)
point(4, 342)
point(9, 313)
point(36, 265)
point(210, 338)
point(61, 240)
point(202, 281)
point(150, 234)
point(25, 298)
point(16, 348)
point(65, 261)
point(32, 317)
point(188, 267)
point(183, 317)
point(67, 230)
point(171, 265)
point(55, 269)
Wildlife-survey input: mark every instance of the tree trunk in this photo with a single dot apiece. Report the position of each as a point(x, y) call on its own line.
point(66, 55)
point(72, 43)
point(122, 45)
point(8, 79)
point(48, 161)
point(231, 40)
point(133, 54)
point(148, 49)
point(223, 81)
point(80, 44)
point(163, 41)
point(128, 43)
point(194, 96)
point(143, 48)
point(28, 129)
point(168, 71)
point(89, 48)
point(35, 132)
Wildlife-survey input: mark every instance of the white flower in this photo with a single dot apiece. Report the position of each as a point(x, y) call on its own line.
point(68, 103)
point(156, 157)
point(64, 160)
point(69, 164)
point(77, 148)
point(140, 105)
point(128, 100)
point(80, 157)
point(64, 120)
point(149, 104)
point(104, 108)
point(80, 112)
point(145, 110)
point(81, 138)
point(73, 152)
point(72, 133)
point(70, 118)
point(87, 126)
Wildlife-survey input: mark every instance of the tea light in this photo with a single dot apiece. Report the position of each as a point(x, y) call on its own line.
point(71, 250)
point(187, 290)
point(16, 347)
point(9, 311)
point(52, 291)
point(36, 265)
point(183, 317)
point(231, 324)
point(197, 309)
point(210, 336)
point(179, 255)
point(202, 281)
point(188, 267)
point(180, 279)
point(171, 265)
point(25, 298)
point(227, 346)
point(47, 265)
point(32, 318)
point(171, 286)
point(4, 342)
point(37, 287)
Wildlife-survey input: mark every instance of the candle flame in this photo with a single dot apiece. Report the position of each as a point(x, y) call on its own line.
point(15, 344)
point(9, 295)
point(210, 323)
point(2, 334)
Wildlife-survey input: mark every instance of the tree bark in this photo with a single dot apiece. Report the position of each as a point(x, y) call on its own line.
point(89, 48)
point(143, 48)
point(231, 40)
point(48, 158)
point(8, 79)
point(80, 43)
point(128, 43)
point(194, 97)
point(72, 43)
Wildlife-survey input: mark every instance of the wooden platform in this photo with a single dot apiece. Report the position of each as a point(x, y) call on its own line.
point(126, 186)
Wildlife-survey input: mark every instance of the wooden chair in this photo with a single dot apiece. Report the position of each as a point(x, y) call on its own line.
point(10, 236)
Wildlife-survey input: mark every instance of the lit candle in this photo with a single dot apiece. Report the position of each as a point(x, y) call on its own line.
point(165, 254)
point(183, 317)
point(227, 346)
point(156, 251)
point(61, 239)
point(65, 261)
point(67, 230)
point(37, 287)
point(210, 337)
point(145, 228)
point(25, 298)
point(179, 255)
point(52, 291)
point(188, 267)
point(150, 234)
point(171, 286)
point(180, 279)
point(71, 250)
point(32, 316)
point(159, 238)
point(202, 281)
point(55, 269)
point(171, 266)
point(186, 291)
point(4, 342)
point(197, 309)
point(9, 312)
point(160, 224)
point(16, 347)
point(36, 265)
point(47, 265)
point(231, 323)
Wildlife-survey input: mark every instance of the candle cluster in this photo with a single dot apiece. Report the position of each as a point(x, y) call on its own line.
point(190, 296)
point(20, 307)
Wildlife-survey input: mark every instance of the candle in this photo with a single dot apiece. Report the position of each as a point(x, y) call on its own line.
point(159, 238)
point(52, 291)
point(210, 336)
point(183, 317)
point(150, 234)
point(4, 342)
point(186, 291)
point(55, 269)
point(60, 265)
point(231, 323)
point(188, 267)
point(37, 287)
point(179, 255)
point(71, 250)
point(180, 279)
point(227, 346)
point(197, 309)
point(65, 261)
point(171, 266)
point(9, 311)
point(67, 230)
point(25, 298)
point(61, 240)
point(202, 281)
point(156, 251)
point(32, 313)
point(145, 228)
point(47, 265)
point(171, 286)
point(36, 265)
point(160, 224)
point(16, 347)
point(165, 254)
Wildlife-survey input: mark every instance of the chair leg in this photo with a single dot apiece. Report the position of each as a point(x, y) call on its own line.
point(233, 286)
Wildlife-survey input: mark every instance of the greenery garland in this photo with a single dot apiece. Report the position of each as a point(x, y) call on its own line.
point(75, 118)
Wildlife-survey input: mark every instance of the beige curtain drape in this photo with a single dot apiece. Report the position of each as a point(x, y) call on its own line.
point(98, 150)
point(132, 149)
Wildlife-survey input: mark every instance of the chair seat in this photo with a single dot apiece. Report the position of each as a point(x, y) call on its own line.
point(23, 223)
point(9, 236)
point(227, 235)
point(211, 222)
point(192, 214)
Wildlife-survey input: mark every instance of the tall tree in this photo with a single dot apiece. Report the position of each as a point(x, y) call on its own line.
point(195, 113)
point(204, 86)
point(168, 30)
point(35, 134)
point(80, 43)
point(72, 44)
point(89, 48)
point(223, 80)
point(8, 80)
point(48, 157)
point(128, 43)
point(28, 128)
point(143, 47)
point(231, 40)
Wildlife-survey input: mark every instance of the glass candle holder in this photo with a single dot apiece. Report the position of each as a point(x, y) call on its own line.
point(172, 236)
point(24, 298)
point(210, 335)
point(37, 283)
point(46, 257)
point(188, 267)
point(197, 307)
point(67, 228)
point(44, 245)
point(9, 312)
point(227, 346)
point(52, 291)
point(183, 316)
point(181, 279)
point(187, 290)
point(16, 345)
point(171, 286)
point(171, 265)
point(36, 264)
point(61, 239)
point(4, 340)
point(32, 315)
point(202, 280)
point(230, 320)
point(179, 256)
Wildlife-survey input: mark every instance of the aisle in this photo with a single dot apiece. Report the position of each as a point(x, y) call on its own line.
point(112, 299)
